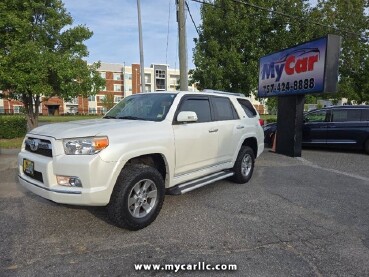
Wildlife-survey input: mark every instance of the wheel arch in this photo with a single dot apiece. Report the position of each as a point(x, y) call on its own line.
point(252, 143)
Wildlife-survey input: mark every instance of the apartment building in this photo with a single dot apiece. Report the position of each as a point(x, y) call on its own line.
point(120, 81)
point(123, 81)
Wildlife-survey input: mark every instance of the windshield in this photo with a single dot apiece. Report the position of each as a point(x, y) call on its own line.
point(146, 106)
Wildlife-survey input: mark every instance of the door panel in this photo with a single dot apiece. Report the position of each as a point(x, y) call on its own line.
point(314, 130)
point(346, 127)
point(196, 146)
point(196, 143)
point(230, 127)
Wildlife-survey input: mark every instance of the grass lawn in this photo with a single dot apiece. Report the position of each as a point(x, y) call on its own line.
point(65, 118)
point(11, 143)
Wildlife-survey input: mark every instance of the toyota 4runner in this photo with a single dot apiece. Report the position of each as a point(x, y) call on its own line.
point(148, 144)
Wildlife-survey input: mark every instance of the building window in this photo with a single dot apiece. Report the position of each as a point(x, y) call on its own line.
point(129, 88)
point(2, 110)
point(117, 76)
point(91, 110)
point(160, 84)
point(103, 75)
point(101, 110)
point(16, 109)
point(117, 87)
point(92, 98)
point(73, 101)
point(128, 76)
point(148, 78)
point(160, 74)
point(117, 99)
point(174, 80)
point(100, 98)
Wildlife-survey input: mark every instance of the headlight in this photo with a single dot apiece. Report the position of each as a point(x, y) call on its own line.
point(85, 146)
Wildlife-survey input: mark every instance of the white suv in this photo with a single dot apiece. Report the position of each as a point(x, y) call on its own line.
point(148, 144)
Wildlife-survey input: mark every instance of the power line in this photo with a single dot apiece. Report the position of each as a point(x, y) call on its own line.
point(283, 14)
point(193, 21)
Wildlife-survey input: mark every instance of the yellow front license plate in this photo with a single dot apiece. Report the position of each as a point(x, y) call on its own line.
point(28, 167)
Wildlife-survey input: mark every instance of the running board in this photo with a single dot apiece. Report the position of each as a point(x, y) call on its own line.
point(198, 183)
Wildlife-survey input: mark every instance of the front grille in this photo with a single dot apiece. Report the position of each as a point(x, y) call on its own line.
point(36, 175)
point(39, 146)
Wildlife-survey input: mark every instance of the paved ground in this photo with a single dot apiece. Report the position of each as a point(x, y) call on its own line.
point(296, 217)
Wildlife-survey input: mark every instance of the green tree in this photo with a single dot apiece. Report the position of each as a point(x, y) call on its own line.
point(234, 36)
point(42, 55)
point(350, 20)
point(108, 101)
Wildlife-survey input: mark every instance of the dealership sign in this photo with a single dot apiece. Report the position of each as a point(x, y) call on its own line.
point(311, 67)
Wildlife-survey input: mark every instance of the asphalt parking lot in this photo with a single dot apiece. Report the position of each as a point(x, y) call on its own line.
point(304, 216)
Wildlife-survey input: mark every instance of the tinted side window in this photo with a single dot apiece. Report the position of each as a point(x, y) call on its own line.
point(224, 108)
point(247, 107)
point(200, 106)
point(318, 116)
point(365, 115)
point(346, 115)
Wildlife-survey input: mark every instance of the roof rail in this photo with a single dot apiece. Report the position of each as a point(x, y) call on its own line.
point(223, 92)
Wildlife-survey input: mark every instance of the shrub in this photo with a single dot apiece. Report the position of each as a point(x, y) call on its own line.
point(12, 126)
point(271, 120)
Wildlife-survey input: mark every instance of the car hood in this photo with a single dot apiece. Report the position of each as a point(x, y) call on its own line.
point(94, 127)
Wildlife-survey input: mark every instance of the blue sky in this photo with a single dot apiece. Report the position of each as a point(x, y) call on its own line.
point(115, 38)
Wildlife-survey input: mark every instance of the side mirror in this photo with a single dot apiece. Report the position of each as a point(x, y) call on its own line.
point(187, 117)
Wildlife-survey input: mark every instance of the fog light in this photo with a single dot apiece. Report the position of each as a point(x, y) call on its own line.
point(69, 181)
point(75, 182)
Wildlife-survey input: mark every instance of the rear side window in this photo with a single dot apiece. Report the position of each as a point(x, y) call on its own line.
point(200, 106)
point(224, 109)
point(247, 107)
point(365, 115)
point(346, 115)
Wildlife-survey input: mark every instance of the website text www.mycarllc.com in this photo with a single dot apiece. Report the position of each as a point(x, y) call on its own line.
point(200, 266)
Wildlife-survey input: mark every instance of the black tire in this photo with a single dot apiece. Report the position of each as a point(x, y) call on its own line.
point(135, 217)
point(366, 146)
point(242, 175)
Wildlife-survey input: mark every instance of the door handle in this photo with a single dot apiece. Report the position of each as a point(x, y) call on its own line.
point(240, 127)
point(213, 130)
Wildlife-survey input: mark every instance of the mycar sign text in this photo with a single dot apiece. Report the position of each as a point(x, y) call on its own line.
point(311, 67)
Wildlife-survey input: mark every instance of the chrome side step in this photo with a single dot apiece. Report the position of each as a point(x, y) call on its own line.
point(198, 183)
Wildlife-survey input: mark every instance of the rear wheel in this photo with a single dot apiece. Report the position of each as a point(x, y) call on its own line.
point(244, 165)
point(137, 197)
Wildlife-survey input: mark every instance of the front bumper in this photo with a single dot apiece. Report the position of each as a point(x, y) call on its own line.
point(97, 178)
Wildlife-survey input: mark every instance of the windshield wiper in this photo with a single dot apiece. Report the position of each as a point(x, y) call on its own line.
point(131, 117)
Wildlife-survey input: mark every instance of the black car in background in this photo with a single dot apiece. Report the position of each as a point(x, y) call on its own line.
point(337, 126)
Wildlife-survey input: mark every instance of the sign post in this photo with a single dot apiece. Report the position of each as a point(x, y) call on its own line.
point(289, 74)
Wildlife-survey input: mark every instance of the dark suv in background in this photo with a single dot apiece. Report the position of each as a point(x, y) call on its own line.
point(337, 126)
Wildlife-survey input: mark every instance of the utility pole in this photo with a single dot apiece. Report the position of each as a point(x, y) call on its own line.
point(124, 79)
point(181, 19)
point(141, 47)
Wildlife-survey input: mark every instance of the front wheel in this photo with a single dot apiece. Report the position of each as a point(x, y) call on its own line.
point(137, 197)
point(244, 165)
